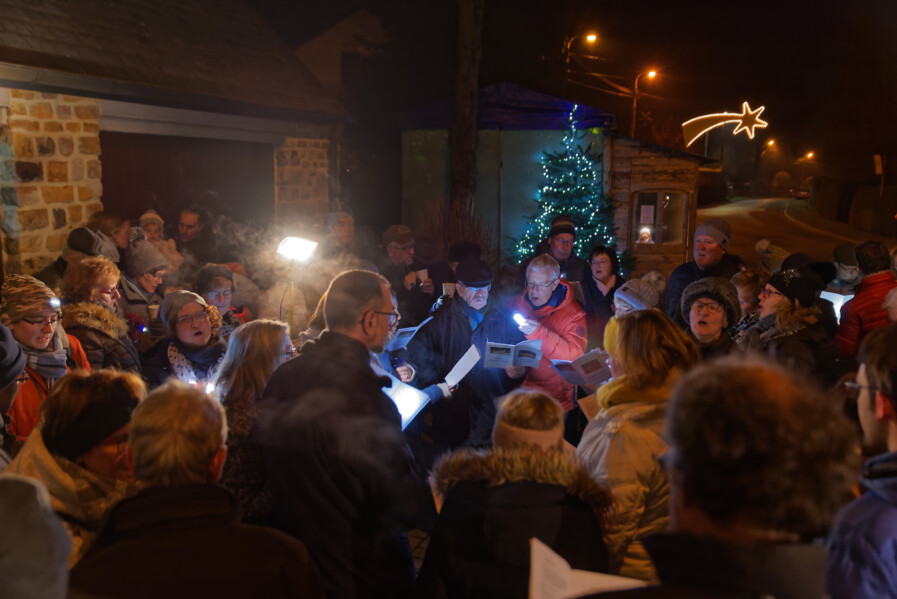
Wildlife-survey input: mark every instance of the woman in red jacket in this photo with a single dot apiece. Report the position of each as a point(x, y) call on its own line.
point(31, 311)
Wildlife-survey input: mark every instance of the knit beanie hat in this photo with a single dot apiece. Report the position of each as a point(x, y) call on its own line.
point(24, 295)
point(209, 273)
point(141, 256)
point(718, 229)
point(12, 358)
point(639, 294)
point(720, 290)
point(93, 243)
point(799, 284)
point(173, 302)
point(151, 216)
point(35, 545)
point(562, 224)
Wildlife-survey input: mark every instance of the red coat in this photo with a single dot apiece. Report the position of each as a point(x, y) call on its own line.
point(25, 412)
point(562, 330)
point(863, 313)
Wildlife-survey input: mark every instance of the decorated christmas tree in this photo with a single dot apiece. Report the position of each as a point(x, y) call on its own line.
point(572, 186)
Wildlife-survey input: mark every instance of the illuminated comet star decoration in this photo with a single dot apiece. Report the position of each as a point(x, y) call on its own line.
point(747, 121)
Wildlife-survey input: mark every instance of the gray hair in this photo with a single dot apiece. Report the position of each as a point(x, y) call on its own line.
point(350, 295)
point(174, 435)
point(546, 262)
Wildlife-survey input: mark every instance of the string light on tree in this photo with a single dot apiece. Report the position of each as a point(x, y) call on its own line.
point(572, 186)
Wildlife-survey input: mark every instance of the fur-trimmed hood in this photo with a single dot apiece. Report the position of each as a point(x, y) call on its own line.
point(500, 466)
point(93, 316)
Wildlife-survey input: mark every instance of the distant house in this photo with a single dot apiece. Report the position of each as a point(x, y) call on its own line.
point(131, 105)
point(653, 187)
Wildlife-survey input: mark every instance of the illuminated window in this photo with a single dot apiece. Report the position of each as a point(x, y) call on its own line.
point(659, 217)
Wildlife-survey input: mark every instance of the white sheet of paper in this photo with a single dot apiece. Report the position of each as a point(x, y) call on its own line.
point(583, 582)
point(409, 400)
point(464, 365)
point(552, 578)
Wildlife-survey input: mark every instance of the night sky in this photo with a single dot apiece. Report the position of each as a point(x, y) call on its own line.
point(826, 71)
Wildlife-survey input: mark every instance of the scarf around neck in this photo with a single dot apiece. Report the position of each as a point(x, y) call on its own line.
point(50, 363)
point(195, 366)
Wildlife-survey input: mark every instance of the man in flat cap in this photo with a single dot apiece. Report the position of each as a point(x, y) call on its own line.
point(712, 259)
point(469, 415)
point(399, 266)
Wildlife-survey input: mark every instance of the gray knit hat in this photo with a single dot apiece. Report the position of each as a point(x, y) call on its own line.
point(173, 302)
point(718, 289)
point(639, 294)
point(24, 295)
point(718, 229)
point(151, 216)
point(141, 256)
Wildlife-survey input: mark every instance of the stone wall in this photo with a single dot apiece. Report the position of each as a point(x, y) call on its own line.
point(301, 179)
point(49, 174)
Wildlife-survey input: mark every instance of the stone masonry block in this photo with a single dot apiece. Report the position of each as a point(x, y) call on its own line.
point(25, 244)
point(23, 145)
point(41, 110)
point(34, 220)
point(94, 169)
point(66, 145)
point(8, 196)
point(77, 169)
point(48, 96)
point(18, 108)
point(46, 146)
point(64, 112)
point(57, 242)
point(22, 94)
point(29, 171)
point(72, 99)
point(52, 127)
point(7, 171)
point(73, 127)
point(93, 208)
point(57, 194)
point(24, 125)
point(290, 176)
point(89, 145)
point(34, 264)
point(87, 112)
point(59, 219)
point(91, 191)
point(90, 127)
point(57, 171)
point(75, 213)
point(29, 195)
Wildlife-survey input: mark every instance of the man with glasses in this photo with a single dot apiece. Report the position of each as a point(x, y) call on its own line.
point(401, 269)
point(861, 544)
point(555, 317)
point(559, 245)
point(469, 415)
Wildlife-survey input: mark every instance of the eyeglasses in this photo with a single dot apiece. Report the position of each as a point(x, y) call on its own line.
point(157, 275)
point(531, 284)
point(216, 295)
point(23, 378)
point(393, 316)
point(853, 388)
point(600, 262)
point(111, 291)
point(51, 320)
point(563, 242)
point(198, 317)
point(768, 292)
point(712, 307)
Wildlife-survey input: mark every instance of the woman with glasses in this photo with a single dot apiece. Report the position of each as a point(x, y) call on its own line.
point(140, 297)
point(192, 351)
point(90, 312)
point(80, 450)
point(789, 328)
point(598, 291)
point(215, 283)
point(254, 352)
point(710, 306)
point(31, 311)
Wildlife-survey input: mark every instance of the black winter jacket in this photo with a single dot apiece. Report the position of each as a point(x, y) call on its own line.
point(103, 335)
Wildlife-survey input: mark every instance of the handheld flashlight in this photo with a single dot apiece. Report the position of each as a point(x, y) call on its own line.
point(519, 318)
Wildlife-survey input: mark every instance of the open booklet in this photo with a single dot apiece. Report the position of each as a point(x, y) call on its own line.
point(502, 355)
point(409, 400)
point(551, 577)
point(403, 336)
point(587, 369)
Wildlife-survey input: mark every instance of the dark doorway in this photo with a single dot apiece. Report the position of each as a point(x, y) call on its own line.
point(167, 173)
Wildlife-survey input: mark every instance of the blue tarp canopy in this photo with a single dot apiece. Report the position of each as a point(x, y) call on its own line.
point(512, 108)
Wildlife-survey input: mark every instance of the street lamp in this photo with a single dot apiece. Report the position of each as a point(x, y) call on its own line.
point(591, 38)
point(649, 75)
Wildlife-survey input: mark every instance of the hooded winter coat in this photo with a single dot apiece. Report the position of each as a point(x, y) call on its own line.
point(494, 503)
point(103, 335)
point(562, 329)
point(77, 495)
point(620, 448)
point(862, 545)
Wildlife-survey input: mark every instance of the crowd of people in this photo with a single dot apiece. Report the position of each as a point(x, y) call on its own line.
point(168, 429)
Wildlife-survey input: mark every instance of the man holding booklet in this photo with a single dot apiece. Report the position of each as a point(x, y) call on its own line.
point(552, 315)
point(471, 319)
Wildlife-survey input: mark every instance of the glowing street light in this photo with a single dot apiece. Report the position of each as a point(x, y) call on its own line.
point(591, 38)
point(650, 75)
point(810, 155)
point(771, 143)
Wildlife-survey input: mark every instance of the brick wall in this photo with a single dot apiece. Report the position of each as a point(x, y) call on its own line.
point(301, 182)
point(49, 174)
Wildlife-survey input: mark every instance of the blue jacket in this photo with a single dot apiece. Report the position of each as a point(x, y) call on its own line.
point(862, 546)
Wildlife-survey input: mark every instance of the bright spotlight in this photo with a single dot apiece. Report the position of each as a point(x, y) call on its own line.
point(296, 248)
